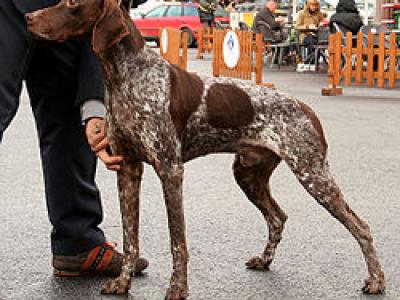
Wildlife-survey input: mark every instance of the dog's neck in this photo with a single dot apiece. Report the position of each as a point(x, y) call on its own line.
point(110, 57)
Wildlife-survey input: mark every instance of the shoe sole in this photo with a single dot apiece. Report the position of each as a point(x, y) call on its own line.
point(140, 267)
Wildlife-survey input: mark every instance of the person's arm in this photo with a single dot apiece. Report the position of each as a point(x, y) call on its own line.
point(268, 18)
point(300, 26)
point(90, 78)
point(90, 97)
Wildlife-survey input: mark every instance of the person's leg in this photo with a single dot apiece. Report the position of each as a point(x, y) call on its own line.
point(68, 164)
point(14, 45)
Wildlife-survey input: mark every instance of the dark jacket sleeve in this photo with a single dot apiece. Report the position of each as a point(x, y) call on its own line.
point(266, 16)
point(90, 77)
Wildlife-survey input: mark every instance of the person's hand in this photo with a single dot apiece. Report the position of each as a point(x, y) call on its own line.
point(281, 20)
point(312, 26)
point(98, 141)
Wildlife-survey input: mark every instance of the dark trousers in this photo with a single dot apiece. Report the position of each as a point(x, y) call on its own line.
point(309, 42)
point(51, 72)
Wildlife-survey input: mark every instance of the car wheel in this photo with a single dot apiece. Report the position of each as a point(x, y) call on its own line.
point(191, 40)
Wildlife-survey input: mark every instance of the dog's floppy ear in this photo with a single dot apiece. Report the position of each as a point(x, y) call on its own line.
point(110, 28)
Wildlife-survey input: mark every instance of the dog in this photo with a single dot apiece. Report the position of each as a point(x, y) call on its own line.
point(163, 116)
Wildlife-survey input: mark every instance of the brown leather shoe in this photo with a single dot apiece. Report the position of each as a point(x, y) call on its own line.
point(102, 260)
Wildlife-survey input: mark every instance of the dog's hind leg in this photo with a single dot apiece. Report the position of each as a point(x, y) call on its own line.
point(252, 168)
point(313, 172)
point(129, 179)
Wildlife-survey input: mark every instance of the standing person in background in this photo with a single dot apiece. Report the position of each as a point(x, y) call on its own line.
point(65, 87)
point(307, 24)
point(206, 12)
point(347, 17)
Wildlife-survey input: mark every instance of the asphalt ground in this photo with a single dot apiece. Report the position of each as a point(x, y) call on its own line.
point(317, 258)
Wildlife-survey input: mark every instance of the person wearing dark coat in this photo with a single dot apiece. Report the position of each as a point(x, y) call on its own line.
point(347, 17)
point(66, 89)
point(207, 9)
point(268, 24)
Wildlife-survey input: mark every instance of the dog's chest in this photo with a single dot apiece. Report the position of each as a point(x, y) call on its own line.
point(139, 106)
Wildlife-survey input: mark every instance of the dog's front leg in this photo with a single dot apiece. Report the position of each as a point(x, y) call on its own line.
point(129, 179)
point(171, 178)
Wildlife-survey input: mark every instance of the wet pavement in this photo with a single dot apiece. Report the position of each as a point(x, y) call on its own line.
point(317, 258)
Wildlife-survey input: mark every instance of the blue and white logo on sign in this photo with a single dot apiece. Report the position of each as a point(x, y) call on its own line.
point(230, 49)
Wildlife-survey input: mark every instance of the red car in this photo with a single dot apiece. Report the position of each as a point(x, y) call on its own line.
point(183, 16)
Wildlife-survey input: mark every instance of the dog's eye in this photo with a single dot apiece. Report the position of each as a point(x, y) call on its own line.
point(72, 3)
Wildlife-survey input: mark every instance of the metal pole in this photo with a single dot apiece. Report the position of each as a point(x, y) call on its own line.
point(294, 10)
point(366, 10)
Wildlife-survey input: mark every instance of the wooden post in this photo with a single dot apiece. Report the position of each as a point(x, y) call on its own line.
point(183, 57)
point(381, 60)
point(334, 64)
point(200, 44)
point(348, 53)
point(176, 49)
point(359, 58)
point(392, 60)
point(370, 60)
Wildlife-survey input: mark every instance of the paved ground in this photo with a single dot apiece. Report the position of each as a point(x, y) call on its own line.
point(317, 258)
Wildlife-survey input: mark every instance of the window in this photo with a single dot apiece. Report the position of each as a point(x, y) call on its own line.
point(157, 12)
point(190, 11)
point(221, 12)
point(174, 11)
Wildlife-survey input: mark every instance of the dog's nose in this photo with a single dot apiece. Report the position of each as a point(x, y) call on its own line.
point(29, 17)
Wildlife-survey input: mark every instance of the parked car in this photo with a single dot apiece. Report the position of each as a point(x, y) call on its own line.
point(183, 16)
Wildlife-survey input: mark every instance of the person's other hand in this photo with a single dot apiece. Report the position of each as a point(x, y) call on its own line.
point(98, 141)
point(312, 26)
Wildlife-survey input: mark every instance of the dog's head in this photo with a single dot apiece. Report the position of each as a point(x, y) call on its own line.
point(68, 19)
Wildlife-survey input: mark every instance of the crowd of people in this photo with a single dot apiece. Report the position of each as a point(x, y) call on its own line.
point(309, 22)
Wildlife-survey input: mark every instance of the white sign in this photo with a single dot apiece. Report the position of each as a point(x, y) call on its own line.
point(164, 40)
point(231, 49)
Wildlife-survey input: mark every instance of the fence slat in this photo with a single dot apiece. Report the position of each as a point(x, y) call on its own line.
point(381, 60)
point(392, 61)
point(359, 58)
point(370, 60)
point(338, 58)
point(348, 66)
point(176, 52)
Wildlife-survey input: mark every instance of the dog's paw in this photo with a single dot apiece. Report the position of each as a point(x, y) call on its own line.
point(375, 285)
point(258, 263)
point(175, 293)
point(116, 286)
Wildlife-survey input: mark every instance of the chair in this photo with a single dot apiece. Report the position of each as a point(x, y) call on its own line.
point(277, 47)
point(321, 47)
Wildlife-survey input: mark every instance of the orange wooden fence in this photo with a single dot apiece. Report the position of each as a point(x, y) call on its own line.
point(173, 46)
point(375, 64)
point(250, 63)
point(204, 42)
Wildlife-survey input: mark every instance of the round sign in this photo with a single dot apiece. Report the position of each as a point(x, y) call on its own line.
point(164, 40)
point(230, 49)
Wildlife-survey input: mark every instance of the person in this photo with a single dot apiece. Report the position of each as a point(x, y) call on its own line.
point(65, 86)
point(347, 18)
point(308, 22)
point(268, 24)
point(207, 9)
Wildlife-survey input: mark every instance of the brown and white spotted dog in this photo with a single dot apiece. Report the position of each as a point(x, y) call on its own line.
point(164, 116)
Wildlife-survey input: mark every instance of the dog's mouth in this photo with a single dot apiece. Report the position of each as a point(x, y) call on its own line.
point(44, 33)
point(41, 31)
